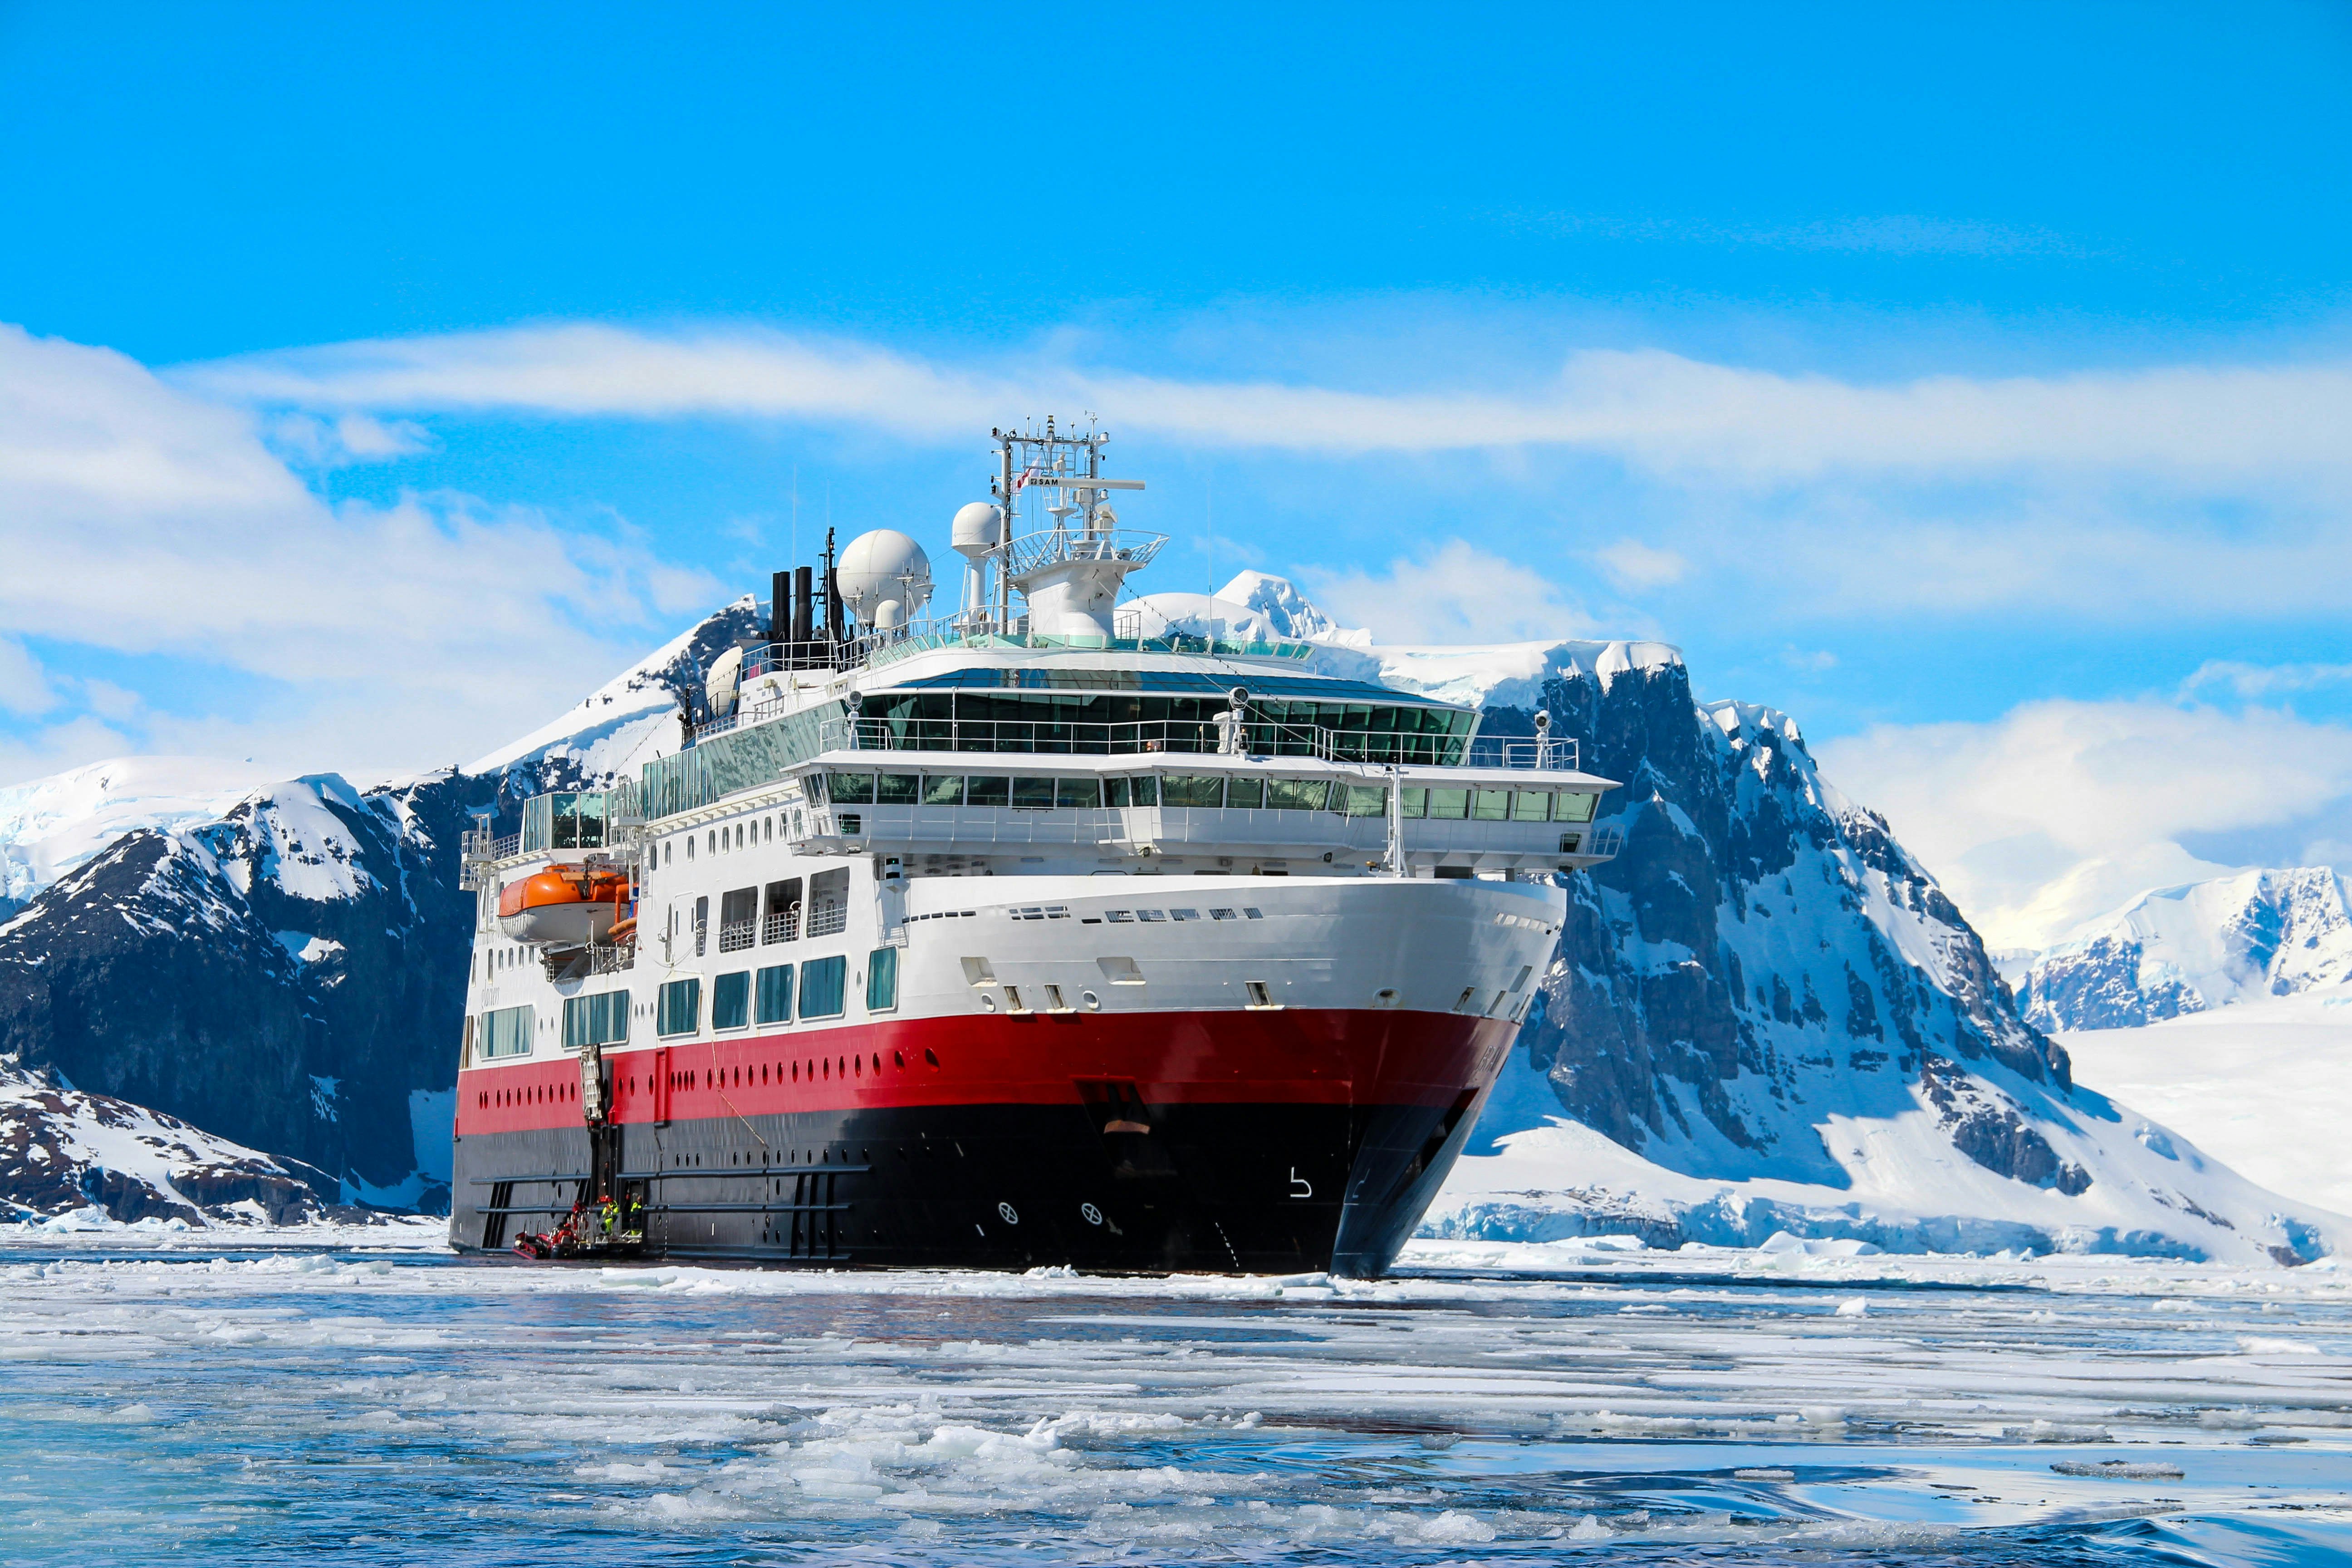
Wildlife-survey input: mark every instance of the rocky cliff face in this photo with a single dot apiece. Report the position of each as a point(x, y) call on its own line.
point(1764, 956)
point(290, 973)
point(2190, 949)
point(63, 1150)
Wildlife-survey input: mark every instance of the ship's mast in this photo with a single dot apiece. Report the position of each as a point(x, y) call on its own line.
point(1071, 462)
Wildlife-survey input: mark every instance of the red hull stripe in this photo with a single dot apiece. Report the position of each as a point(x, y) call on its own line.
point(1287, 1055)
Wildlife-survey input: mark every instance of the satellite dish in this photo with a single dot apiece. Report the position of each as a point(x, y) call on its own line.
point(978, 529)
point(885, 577)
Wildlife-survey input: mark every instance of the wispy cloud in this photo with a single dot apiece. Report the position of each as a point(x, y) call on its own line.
point(1658, 412)
point(1456, 594)
point(2060, 810)
point(2253, 680)
point(139, 519)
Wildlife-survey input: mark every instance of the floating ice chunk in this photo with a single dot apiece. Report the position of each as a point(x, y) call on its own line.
point(2257, 1344)
point(1454, 1528)
point(1589, 1528)
point(2119, 1470)
point(2057, 1432)
point(1854, 1307)
point(1780, 1243)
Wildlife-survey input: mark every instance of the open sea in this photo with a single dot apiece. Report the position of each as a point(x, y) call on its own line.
point(364, 1397)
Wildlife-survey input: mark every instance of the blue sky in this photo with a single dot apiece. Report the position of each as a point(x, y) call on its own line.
point(380, 378)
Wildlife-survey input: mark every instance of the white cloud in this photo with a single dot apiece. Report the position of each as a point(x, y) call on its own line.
point(2251, 681)
point(1661, 412)
point(2060, 810)
point(142, 520)
point(1458, 594)
point(23, 685)
point(1633, 564)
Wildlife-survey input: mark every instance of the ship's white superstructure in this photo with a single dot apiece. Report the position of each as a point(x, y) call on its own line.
point(1012, 935)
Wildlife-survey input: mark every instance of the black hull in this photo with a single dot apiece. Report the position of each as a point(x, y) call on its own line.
point(1218, 1188)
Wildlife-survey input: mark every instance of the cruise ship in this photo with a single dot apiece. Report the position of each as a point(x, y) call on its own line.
point(1045, 932)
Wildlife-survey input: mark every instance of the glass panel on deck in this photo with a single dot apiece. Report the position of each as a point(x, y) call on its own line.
point(978, 790)
point(942, 789)
point(896, 789)
point(1574, 806)
point(1244, 794)
point(1532, 805)
point(1033, 795)
point(1416, 803)
point(1194, 789)
point(1297, 795)
point(1452, 804)
point(1491, 805)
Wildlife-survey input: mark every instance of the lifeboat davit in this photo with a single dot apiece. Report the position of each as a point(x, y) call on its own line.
point(563, 906)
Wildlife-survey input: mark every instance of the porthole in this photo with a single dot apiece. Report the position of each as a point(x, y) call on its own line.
point(1093, 1002)
point(987, 1003)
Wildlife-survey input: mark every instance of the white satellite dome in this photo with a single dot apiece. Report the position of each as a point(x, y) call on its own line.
point(979, 528)
point(885, 577)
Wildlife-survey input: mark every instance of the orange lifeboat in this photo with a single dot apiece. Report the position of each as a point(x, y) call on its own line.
point(563, 906)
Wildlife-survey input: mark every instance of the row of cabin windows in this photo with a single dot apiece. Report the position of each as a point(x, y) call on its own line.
point(748, 833)
point(1073, 710)
point(1232, 792)
point(744, 997)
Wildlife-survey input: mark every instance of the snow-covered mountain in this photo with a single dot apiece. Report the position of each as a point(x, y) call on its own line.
point(64, 1151)
point(1763, 1014)
point(284, 964)
point(2191, 949)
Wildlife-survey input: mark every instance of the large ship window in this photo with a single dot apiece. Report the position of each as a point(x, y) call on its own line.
point(1451, 804)
point(987, 791)
point(1532, 805)
point(599, 1020)
point(1491, 805)
point(1192, 789)
point(942, 789)
point(505, 1032)
point(1033, 795)
point(1078, 793)
point(1416, 803)
point(1297, 795)
point(730, 1000)
point(1574, 806)
point(678, 1009)
point(1146, 790)
point(896, 789)
point(775, 995)
point(1362, 800)
point(850, 789)
point(824, 984)
point(882, 980)
point(1244, 794)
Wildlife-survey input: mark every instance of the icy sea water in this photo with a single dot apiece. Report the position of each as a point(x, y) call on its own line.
point(171, 1399)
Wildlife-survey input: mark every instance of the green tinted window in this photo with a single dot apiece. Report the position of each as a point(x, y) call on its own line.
point(678, 1009)
point(1491, 805)
point(987, 791)
point(1147, 790)
point(1364, 800)
point(1297, 795)
point(1245, 794)
point(823, 982)
point(1079, 793)
point(851, 789)
point(1452, 804)
point(1194, 789)
point(1532, 805)
point(1115, 792)
point(1573, 807)
point(942, 789)
point(1416, 803)
point(776, 994)
point(896, 789)
point(730, 1000)
point(882, 980)
point(1033, 795)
